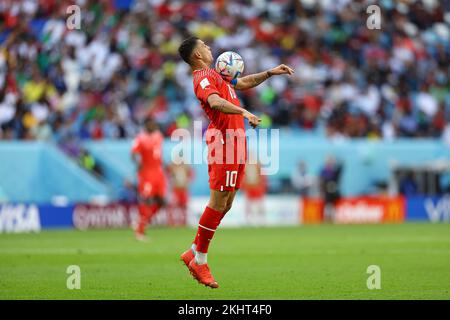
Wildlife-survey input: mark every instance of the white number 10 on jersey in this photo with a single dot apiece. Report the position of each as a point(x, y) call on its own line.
point(231, 178)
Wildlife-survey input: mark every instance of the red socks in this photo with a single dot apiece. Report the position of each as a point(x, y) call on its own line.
point(209, 221)
point(146, 212)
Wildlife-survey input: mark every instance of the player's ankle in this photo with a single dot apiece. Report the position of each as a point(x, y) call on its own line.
point(194, 248)
point(201, 258)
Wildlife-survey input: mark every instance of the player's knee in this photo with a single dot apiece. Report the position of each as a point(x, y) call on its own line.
point(146, 201)
point(160, 201)
point(217, 206)
point(219, 201)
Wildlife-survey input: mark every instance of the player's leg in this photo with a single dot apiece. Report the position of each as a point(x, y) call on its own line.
point(157, 196)
point(144, 205)
point(157, 202)
point(223, 184)
point(159, 193)
point(261, 210)
point(230, 201)
point(250, 210)
point(151, 199)
point(216, 202)
point(148, 208)
point(144, 190)
point(180, 206)
point(221, 201)
point(209, 221)
point(183, 202)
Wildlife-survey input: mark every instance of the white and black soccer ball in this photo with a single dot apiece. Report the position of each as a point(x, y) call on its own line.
point(229, 65)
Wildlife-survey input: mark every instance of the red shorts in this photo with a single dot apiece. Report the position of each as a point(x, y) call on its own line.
point(152, 186)
point(226, 177)
point(255, 192)
point(180, 196)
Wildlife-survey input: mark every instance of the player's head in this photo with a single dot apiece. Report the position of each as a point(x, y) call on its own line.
point(195, 52)
point(150, 124)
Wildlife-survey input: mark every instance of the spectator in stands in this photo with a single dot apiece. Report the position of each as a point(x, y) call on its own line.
point(122, 66)
point(329, 185)
point(408, 184)
point(87, 161)
point(128, 192)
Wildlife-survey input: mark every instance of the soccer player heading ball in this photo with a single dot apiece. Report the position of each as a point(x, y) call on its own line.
point(221, 105)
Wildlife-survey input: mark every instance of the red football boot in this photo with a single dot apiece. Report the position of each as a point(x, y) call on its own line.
point(187, 256)
point(202, 274)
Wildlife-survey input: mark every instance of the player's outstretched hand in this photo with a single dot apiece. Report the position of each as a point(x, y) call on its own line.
point(281, 69)
point(252, 119)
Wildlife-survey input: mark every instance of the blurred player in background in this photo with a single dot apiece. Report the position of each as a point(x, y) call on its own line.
point(221, 105)
point(180, 175)
point(302, 181)
point(255, 188)
point(147, 154)
point(330, 176)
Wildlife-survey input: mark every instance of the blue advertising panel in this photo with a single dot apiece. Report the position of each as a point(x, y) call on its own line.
point(19, 217)
point(56, 217)
point(434, 209)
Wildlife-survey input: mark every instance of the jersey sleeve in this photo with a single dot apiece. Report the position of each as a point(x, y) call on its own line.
point(136, 147)
point(206, 86)
point(158, 146)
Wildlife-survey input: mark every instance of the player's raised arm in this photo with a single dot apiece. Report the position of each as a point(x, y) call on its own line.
point(253, 80)
point(136, 147)
point(136, 159)
point(222, 105)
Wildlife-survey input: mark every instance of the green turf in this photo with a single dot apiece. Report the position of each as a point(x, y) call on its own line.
point(309, 262)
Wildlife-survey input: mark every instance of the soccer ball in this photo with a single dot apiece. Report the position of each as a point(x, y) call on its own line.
point(229, 65)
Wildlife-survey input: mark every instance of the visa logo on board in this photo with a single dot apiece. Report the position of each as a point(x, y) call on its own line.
point(16, 218)
point(439, 211)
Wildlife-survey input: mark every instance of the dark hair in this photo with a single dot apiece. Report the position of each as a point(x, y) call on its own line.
point(150, 124)
point(186, 48)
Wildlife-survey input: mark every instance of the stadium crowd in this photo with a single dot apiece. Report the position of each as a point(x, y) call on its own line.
point(99, 81)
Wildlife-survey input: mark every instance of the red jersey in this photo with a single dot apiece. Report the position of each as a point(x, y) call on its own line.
point(207, 82)
point(224, 174)
point(149, 147)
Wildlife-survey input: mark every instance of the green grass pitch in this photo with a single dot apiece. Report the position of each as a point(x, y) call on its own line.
point(306, 262)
